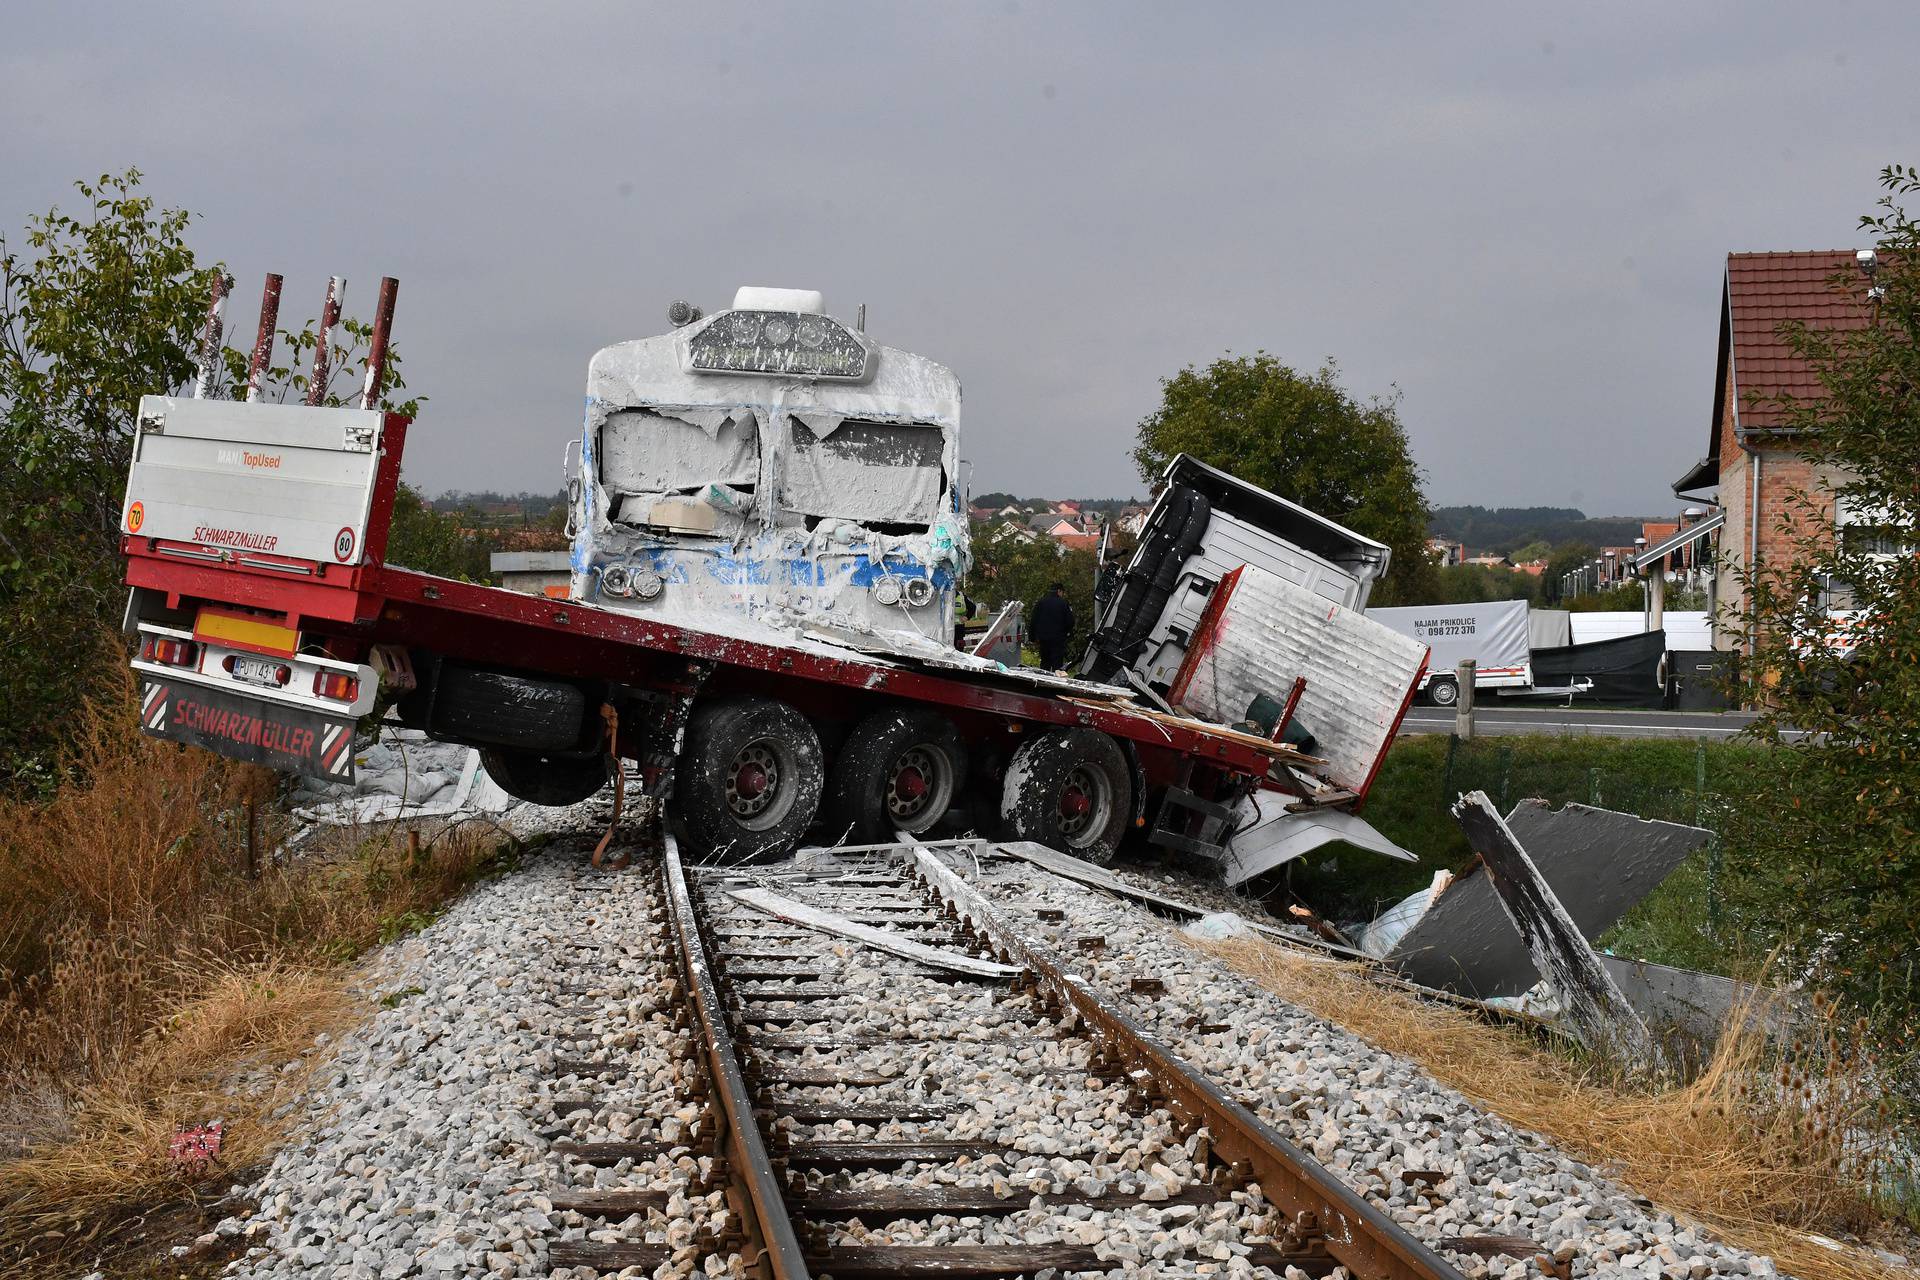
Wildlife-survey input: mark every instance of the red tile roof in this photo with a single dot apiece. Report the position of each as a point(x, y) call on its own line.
point(1764, 289)
point(1657, 531)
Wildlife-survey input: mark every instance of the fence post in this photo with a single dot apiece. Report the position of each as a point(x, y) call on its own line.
point(1463, 707)
point(1446, 778)
point(1699, 777)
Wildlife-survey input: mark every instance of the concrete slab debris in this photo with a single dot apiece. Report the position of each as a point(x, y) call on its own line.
point(1599, 864)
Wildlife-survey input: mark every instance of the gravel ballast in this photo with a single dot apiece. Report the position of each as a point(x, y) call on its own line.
point(540, 1008)
point(1364, 1113)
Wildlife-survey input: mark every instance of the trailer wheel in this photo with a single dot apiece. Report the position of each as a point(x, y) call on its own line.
point(1443, 692)
point(748, 781)
point(475, 705)
point(898, 770)
point(1071, 790)
point(555, 781)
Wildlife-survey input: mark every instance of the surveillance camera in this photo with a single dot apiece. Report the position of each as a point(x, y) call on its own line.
point(1868, 260)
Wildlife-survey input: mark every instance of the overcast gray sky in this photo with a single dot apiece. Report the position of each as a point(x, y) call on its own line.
point(1515, 214)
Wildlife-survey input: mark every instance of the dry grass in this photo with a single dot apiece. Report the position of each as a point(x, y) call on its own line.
point(1756, 1147)
point(152, 973)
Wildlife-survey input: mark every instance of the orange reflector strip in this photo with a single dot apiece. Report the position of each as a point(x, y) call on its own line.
point(257, 634)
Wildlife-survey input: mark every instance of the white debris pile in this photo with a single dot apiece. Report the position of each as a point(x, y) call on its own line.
point(1365, 1114)
point(402, 774)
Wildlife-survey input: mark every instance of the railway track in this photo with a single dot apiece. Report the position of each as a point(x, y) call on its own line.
point(841, 1111)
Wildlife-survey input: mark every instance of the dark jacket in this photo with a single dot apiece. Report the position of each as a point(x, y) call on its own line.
point(1052, 619)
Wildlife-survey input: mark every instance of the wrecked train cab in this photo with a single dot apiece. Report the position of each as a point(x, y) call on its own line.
point(773, 464)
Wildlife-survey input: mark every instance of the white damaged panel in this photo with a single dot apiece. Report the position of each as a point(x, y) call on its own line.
point(782, 498)
point(1359, 674)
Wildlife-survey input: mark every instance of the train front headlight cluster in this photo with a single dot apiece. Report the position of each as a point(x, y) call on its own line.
point(780, 343)
point(891, 590)
point(627, 581)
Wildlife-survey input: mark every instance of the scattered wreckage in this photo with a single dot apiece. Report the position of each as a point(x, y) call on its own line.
point(768, 536)
point(768, 532)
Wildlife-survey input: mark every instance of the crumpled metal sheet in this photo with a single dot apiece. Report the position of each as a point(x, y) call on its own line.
point(1277, 837)
point(1599, 862)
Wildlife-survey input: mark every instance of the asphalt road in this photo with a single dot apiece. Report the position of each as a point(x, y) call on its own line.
point(1500, 720)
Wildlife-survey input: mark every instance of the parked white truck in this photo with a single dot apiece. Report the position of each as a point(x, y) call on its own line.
point(1493, 634)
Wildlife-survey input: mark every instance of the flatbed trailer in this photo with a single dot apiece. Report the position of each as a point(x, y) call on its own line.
point(270, 626)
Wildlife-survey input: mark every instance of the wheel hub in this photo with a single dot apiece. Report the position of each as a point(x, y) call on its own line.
point(912, 786)
point(1086, 806)
point(753, 781)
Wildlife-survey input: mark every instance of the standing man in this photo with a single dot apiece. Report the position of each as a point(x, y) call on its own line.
point(1051, 625)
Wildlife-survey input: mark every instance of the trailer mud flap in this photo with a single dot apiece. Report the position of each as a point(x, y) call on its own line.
point(250, 729)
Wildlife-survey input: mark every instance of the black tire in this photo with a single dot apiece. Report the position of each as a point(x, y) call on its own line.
point(471, 705)
point(898, 770)
point(748, 781)
point(1071, 790)
point(1443, 693)
point(555, 781)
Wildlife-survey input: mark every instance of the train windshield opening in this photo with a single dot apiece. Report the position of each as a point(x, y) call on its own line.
point(643, 452)
point(876, 473)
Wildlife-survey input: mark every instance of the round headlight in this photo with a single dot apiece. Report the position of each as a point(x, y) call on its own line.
point(919, 591)
point(887, 591)
point(616, 580)
point(812, 331)
point(745, 326)
point(647, 584)
point(778, 331)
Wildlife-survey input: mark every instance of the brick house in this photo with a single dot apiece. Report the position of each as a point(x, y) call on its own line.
point(1752, 464)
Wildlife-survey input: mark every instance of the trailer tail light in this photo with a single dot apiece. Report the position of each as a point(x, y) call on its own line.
point(169, 652)
point(337, 685)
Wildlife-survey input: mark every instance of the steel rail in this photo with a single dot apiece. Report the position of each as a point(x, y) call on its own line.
point(768, 1222)
point(1322, 1209)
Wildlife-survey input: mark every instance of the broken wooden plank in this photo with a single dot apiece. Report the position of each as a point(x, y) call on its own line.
point(839, 926)
point(1558, 949)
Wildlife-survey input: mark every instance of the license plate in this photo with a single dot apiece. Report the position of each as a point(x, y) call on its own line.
point(251, 729)
point(264, 671)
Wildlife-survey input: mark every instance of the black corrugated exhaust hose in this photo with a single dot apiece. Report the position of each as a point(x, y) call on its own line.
point(1168, 547)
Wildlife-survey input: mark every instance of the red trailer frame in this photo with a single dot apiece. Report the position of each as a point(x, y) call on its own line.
point(352, 608)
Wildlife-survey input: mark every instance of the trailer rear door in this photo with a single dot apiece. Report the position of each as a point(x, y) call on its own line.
point(275, 480)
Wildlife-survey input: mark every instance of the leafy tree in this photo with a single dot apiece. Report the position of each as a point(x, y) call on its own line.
point(1835, 653)
point(1477, 583)
point(101, 308)
point(1305, 438)
point(96, 310)
point(437, 542)
point(1007, 567)
point(1568, 558)
point(1538, 549)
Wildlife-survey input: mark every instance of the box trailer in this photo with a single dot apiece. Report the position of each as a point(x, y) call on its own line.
point(1493, 634)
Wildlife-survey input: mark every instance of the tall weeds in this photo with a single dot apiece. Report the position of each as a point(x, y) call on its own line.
point(1767, 1143)
point(154, 959)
